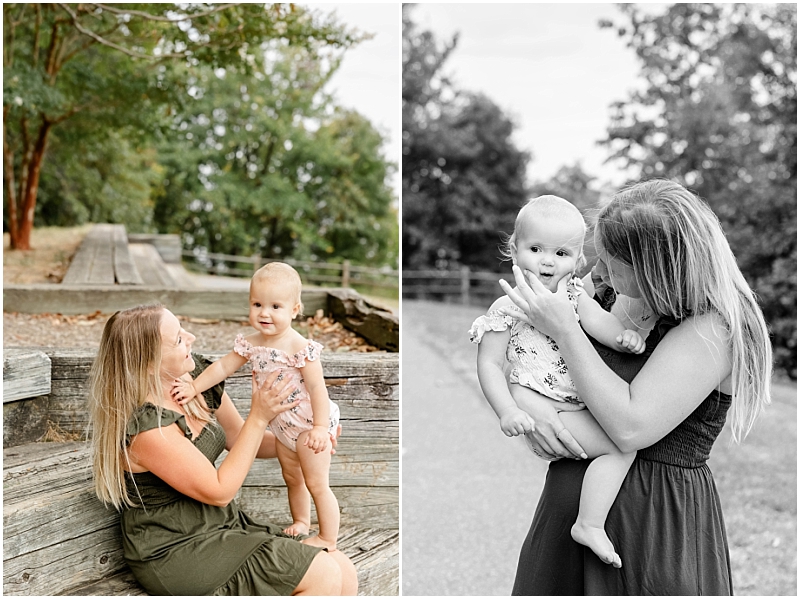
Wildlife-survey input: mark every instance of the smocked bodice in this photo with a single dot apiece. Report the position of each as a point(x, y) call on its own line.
point(688, 444)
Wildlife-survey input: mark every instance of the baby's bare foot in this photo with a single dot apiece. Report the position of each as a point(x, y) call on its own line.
point(596, 539)
point(318, 541)
point(297, 528)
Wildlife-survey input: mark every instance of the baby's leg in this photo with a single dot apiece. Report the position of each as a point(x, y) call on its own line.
point(316, 469)
point(602, 482)
point(299, 499)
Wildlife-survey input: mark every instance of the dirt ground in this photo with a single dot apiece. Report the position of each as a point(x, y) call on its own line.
point(47, 261)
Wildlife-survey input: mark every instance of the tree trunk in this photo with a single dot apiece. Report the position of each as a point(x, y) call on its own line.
point(21, 225)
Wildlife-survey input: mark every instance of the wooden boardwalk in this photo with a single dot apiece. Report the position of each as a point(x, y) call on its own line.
point(103, 259)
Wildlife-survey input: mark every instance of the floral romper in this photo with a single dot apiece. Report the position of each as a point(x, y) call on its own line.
point(534, 357)
point(287, 425)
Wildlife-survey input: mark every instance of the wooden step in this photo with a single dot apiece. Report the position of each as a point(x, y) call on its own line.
point(59, 539)
point(103, 259)
point(150, 265)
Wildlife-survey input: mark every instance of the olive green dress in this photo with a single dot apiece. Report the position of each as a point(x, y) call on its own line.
point(176, 545)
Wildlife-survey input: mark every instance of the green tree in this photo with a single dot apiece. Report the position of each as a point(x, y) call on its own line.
point(266, 163)
point(124, 66)
point(463, 177)
point(718, 112)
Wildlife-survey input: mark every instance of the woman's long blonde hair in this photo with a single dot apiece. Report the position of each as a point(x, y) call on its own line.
point(684, 267)
point(124, 376)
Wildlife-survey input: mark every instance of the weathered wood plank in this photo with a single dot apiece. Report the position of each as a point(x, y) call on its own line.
point(376, 507)
point(93, 262)
point(26, 420)
point(168, 246)
point(121, 584)
point(150, 265)
point(57, 568)
point(81, 298)
point(376, 555)
point(365, 386)
point(124, 269)
point(26, 373)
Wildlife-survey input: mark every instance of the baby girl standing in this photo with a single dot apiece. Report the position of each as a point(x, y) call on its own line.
point(304, 432)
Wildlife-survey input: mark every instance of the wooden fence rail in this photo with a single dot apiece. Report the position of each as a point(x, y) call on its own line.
point(464, 286)
point(344, 274)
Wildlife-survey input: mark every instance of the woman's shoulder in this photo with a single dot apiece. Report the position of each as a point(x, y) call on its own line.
point(148, 416)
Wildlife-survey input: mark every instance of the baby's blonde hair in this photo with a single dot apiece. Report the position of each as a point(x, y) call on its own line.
point(123, 377)
point(546, 206)
point(280, 273)
point(684, 267)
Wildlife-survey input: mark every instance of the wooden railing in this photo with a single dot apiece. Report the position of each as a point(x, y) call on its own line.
point(464, 286)
point(321, 273)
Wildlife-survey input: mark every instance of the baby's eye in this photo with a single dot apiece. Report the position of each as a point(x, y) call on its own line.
point(562, 253)
point(276, 306)
point(257, 304)
point(536, 248)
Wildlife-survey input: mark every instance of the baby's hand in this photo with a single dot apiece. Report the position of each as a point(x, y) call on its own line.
point(514, 421)
point(183, 391)
point(318, 439)
point(631, 341)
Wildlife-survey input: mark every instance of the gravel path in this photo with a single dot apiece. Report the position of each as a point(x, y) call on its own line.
point(56, 330)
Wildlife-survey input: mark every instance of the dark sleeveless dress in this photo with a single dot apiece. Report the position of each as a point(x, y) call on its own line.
point(666, 523)
point(176, 545)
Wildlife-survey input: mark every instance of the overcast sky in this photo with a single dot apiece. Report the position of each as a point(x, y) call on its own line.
point(549, 66)
point(369, 77)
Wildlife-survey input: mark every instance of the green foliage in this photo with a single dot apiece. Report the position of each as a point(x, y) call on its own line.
point(463, 178)
point(204, 119)
point(718, 112)
point(267, 164)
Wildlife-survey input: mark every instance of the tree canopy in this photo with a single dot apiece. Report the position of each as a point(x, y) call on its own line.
point(209, 120)
point(463, 177)
point(718, 112)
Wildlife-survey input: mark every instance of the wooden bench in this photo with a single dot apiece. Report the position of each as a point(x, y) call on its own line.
point(103, 259)
point(59, 539)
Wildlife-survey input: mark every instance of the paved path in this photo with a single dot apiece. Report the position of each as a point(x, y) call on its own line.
point(468, 492)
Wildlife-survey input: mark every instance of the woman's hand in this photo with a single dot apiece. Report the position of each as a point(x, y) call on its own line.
point(549, 312)
point(551, 434)
point(266, 399)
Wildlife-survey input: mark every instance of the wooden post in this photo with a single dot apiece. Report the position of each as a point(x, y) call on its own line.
point(256, 261)
point(346, 273)
point(465, 285)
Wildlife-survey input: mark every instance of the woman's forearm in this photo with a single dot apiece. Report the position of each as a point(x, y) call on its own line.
point(240, 458)
point(607, 396)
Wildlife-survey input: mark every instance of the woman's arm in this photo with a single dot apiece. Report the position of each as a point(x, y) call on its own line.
point(688, 364)
point(185, 389)
point(232, 422)
point(553, 437)
point(168, 454)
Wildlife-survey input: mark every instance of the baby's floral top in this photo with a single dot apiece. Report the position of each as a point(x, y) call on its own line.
point(534, 357)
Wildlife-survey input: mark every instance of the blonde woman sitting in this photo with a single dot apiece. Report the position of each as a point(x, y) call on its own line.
point(153, 459)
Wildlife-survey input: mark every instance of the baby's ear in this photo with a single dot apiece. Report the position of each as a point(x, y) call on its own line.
point(513, 248)
point(295, 310)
